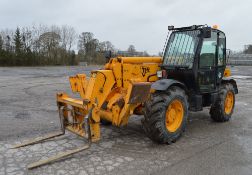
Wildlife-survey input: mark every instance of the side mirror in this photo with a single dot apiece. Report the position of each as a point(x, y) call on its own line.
point(207, 32)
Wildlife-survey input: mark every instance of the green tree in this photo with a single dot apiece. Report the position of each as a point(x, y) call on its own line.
point(18, 42)
point(8, 44)
point(84, 41)
point(88, 47)
point(248, 49)
point(131, 50)
point(1, 43)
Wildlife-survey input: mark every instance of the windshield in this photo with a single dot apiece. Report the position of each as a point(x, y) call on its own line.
point(181, 48)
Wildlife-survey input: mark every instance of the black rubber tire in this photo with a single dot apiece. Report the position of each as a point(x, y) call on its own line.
point(154, 123)
point(217, 111)
point(105, 122)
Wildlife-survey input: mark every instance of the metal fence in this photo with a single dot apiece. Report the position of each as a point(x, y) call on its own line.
point(240, 59)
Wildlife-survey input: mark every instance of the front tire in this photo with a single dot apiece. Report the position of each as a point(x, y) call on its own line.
point(222, 109)
point(165, 115)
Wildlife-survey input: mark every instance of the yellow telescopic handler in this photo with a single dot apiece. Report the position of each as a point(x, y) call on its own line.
point(192, 74)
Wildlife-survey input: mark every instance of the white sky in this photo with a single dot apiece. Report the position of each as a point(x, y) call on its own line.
point(142, 23)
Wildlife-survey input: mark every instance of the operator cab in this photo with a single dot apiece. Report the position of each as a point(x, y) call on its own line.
point(193, 75)
point(196, 56)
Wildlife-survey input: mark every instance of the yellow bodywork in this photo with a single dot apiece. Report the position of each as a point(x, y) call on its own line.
point(111, 94)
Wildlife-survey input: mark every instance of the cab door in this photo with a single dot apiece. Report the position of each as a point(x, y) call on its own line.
point(221, 57)
point(207, 64)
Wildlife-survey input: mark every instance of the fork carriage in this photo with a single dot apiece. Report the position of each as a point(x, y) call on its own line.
point(110, 95)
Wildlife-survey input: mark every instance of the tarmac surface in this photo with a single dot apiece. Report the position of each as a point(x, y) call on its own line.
point(28, 110)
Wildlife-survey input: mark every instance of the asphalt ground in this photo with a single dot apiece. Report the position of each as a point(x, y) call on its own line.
point(28, 109)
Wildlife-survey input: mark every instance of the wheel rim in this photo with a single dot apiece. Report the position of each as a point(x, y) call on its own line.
point(229, 102)
point(174, 115)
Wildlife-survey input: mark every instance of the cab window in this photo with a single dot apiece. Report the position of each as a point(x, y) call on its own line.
point(208, 51)
point(221, 49)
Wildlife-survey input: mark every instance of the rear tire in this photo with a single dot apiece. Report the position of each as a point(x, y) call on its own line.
point(222, 109)
point(165, 115)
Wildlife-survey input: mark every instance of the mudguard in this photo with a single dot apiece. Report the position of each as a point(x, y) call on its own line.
point(164, 84)
point(232, 81)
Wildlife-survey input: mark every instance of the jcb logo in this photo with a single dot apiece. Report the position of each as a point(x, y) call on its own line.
point(145, 70)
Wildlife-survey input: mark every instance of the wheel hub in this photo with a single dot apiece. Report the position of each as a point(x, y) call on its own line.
point(229, 102)
point(174, 115)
